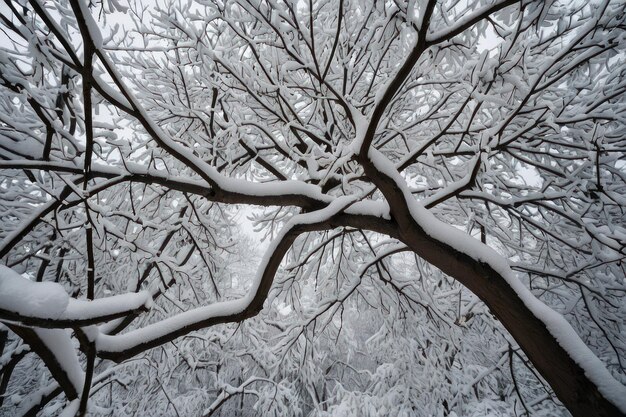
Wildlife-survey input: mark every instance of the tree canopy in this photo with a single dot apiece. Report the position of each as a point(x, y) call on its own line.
point(437, 189)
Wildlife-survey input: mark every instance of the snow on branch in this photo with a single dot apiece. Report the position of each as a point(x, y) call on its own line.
point(47, 304)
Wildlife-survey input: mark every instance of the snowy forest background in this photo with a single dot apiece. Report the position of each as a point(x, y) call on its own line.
point(312, 208)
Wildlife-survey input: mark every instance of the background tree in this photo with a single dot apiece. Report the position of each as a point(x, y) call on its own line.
point(441, 184)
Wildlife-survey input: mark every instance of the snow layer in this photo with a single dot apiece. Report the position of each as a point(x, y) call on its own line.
point(49, 301)
point(27, 298)
point(71, 409)
point(85, 309)
point(92, 26)
point(34, 398)
point(119, 343)
point(59, 342)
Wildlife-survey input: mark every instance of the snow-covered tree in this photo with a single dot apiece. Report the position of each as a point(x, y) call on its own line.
point(439, 186)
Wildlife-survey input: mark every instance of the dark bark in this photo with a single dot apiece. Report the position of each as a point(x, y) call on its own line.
point(57, 371)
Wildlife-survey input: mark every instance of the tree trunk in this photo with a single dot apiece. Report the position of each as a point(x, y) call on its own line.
point(568, 380)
